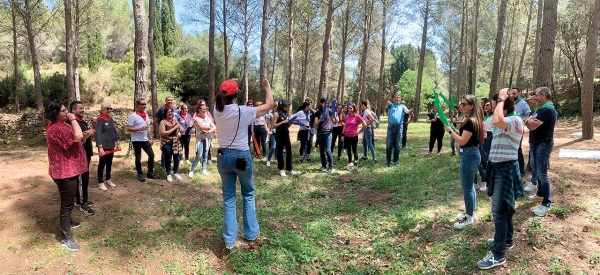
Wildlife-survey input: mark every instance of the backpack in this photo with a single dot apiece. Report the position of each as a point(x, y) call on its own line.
point(375, 123)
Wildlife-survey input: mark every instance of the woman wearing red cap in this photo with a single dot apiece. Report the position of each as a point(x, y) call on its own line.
point(234, 159)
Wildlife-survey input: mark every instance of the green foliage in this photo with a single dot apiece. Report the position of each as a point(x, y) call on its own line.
point(168, 27)
point(594, 258)
point(94, 51)
point(407, 85)
point(187, 78)
point(7, 90)
point(118, 33)
point(159, 45)
point(407, 58)
point(556, 268)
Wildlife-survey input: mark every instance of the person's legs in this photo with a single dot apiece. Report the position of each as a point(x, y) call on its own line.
point(341, 144)
point(432, 138)
point(354, 146)
point(303, 135)
point(109, 160)
point(440, 138)
point(542, 159)
point(365, 144)
point(521, 159)
point(263, 142)
point(279, 151)
point(534, 177)
point(288, 155)
point(199, 155)
point(348, 148)
point(251, 227)
point(404, 132)
point(397, 137)
point(147, 147)
point(272, 147)
point(328, 153)
point(85, 181)
point(137, 152)
point(207, 143)
point(185, 144)
point(452, 145)
point(369, 138)
point(176, 158)
point(66, 189)
point(168, 156)
point(322, 148)
point(101, 165)
point(335, 132)
point(469, 160)
point(226, 168)
point(503, 222)
point(389, 142)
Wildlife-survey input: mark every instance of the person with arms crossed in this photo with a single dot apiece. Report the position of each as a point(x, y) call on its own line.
point(106, 140)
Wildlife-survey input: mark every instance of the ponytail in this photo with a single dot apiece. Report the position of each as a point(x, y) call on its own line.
point(223, 99)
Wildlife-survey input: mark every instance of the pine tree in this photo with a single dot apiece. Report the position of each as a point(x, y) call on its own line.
point(168, 27)
point(94, 51)
point(158, 32)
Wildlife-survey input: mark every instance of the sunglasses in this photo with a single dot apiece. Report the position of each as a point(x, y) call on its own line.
point(463, 104)
point(109, 109)
point(142, 104)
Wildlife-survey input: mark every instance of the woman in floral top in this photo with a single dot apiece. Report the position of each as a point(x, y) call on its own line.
point(66, 161)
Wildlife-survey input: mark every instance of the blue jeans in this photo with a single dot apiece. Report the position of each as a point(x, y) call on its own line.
point(202, 147)
point(324, 140)
point(167, 151)
point(394, 135)
point(482, 166)
point(534, 178)
point(541, 154)
point(226, 164)
point(272, 146)
point(469, 161)
point(367, 142)
point(502, 212)
point(453, 145)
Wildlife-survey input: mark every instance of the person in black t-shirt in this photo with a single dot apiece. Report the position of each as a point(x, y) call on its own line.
point(436, 131)
point(81, 194)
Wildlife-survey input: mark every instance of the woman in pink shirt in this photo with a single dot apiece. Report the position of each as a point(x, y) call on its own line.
point(66, 161)
point(351, 132)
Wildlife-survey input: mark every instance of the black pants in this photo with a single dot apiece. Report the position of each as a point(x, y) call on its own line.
point(521, 159)
point(436, 134)
point(404, 131)
point(105, 161)
point(337, 135)
point(81, 192)
point(282, 140)
point(305, 145)
point(351, 147)
point(137, 149)
point(66, 189)
point(185, 144)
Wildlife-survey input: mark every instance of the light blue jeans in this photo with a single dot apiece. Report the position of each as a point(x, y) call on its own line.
point(202, 148)
point(469, 161)
point(367, 142)
point(226, 164)
point(272, 146)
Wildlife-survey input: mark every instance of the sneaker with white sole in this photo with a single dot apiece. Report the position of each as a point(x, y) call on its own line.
point(535, 198)
point(541, 210)
point(323, 169)
point(177, 176)
point(293, 173)
point(508, 246)
point(483, 186)
point(169, 178)
point(70, 244)
point(86, 210)
point(110, 183)
point(191, 174)
point(530, 187)
point(282, 173)
point(268, 163)
point(204, 172)
point(102, 187)
point(462, 216)
point(468, 220)
point(490, 261)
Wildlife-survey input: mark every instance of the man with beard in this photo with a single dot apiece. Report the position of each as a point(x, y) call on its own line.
point(138, 125)
point(523, 110)
point(81, 194)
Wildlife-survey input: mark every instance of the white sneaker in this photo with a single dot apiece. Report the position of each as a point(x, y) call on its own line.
point(268, 163)
point(293, 173)
point(467, 221)
point(205, 173)
point(483, 186)
point(535, 198)
point(110, 183)
point(541, 210)
point(177, 176)
point(282, 173)
point(530, 187)
point(169, 178)
point(102, 186)
point(191, 174)
point(462, 216)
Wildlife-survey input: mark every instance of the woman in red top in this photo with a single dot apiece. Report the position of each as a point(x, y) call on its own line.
point(66, 161)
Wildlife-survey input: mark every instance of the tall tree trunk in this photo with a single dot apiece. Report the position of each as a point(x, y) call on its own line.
point(246, 37)
point(380, 84)
point(547, 44)
point(587, 95)
point(225, 48)
point(504, 63)
point(69, 49)
point(152, 51)
point(368, 18)
point(519, 82)
point(141, 48)
point(498, 48)
point(475, 51)
point(538, 36)
point(211, 55)
point(421, 61)
point(15, 60)
point(325, 61)
point(305, 58)
point(461, 57)
point(37, 77)
point(290, 75)
point(76, 51)
point(263, 44)
point(272, 78)
point(345, 30)
point(450, 62)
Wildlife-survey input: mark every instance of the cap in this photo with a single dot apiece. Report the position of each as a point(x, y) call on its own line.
point(250, 101)
point(283, 102)
point(230, 86)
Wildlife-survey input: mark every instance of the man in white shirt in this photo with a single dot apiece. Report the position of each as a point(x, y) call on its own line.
point(138, 125)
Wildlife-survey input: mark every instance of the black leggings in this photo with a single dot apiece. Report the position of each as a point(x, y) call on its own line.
point(66, 189)
point(351, 147)
point(282, 140)
point(105, 161)
point(337, 135)
point(81, 194)
point(436, 134)
point(304, 142)
point(185, 144)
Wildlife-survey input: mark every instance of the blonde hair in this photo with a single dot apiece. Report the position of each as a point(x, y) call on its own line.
point(476, 116)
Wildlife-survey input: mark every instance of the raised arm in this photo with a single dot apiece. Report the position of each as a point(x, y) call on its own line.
point(265, 108)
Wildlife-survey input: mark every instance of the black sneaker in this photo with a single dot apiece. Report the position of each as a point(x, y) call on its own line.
point(141, 177)
point(70, 244)
point(364, 158)
point(89, 204)
point(75, 224)
point(86, 210)
point(77, 204)
point(152, 176)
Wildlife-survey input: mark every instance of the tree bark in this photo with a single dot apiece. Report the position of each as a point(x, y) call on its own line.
point(272, 78)
point(246, 37)
point(345, 32)
point(368, 18)
point(290, 75)
point(519, 82)
point(325, 61)
point(211, 55)
point(380, 83)
point(421, 62)
point(15, 60)
point(152, 51)
point(498, 48)
point(547, 44)
point(76, 51)
point(475, 51)
point(37, 77)
point(304, 64)
point(538, 35)
point(225, 49)
point(263, 44)
point(587, 95)
point(141, 48)
point(461, 57)
point(69, 49)
point(504, 63)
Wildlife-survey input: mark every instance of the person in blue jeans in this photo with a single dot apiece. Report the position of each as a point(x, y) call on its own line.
point(170, 131)
point(367, 141)
point(324, 121)
point(541, 135)
point(234, 160)
point(469, 138)
point(396, 114)
point(272, 132)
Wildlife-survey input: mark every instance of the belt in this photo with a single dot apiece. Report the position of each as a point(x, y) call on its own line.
point(470, 146)
point(395, 126)
point(259, 125)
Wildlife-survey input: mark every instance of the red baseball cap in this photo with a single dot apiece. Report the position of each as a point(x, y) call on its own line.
point(230, 86)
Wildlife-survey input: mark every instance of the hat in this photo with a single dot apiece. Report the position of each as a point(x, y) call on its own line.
point(230, 86)
point(250, 101)
point(283, 103)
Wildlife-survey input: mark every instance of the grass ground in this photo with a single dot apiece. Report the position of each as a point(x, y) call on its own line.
point(373, 220)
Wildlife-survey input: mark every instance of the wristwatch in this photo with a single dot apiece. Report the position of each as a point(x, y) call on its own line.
point(499, 100)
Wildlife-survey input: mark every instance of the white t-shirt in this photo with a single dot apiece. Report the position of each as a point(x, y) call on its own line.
point(488, 124)
point(227, 121)
point(200, 135)
point(136, 121)
point(365, 115)
point(303, 117)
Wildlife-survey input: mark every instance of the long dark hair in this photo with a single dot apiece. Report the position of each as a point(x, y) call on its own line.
point(223, 99)
point(303, 106)
point(52, 110)
point(281, 108)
